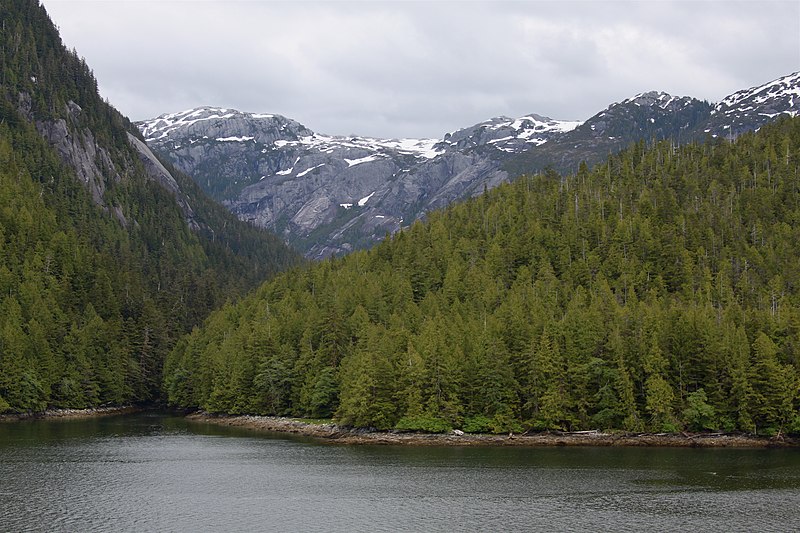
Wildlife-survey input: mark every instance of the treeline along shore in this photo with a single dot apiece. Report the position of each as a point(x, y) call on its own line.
point(333, 433)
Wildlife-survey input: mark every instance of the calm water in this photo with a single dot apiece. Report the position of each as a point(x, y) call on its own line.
point(151, 472)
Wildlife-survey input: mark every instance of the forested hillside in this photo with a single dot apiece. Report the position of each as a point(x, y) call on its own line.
point(659, 291)
point(102, 267)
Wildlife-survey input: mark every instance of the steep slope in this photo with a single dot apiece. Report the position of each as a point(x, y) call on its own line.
point(106, 254)
point(658, 291)
point(330, 195)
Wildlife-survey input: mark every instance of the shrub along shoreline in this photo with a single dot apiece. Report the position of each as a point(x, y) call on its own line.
point(333, 433)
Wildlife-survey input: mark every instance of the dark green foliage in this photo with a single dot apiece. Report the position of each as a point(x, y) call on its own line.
point(426, 423)
point(699, 414)
point(660, 291)
point(96, 289)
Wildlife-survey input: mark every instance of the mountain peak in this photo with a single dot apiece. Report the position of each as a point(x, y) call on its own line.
point(511, 134)
point(785, 89)
point(658, 99)
point(749, 109)
point(205, 118)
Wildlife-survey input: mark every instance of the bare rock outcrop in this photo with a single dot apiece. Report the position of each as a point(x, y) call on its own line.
point(79, 149)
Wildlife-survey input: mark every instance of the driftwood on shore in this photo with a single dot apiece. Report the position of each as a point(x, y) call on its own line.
point(337, 434)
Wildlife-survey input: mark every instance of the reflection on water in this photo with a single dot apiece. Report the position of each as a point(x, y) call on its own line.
point(149, 472)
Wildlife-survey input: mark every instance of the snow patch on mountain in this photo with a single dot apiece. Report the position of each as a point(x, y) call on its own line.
point(363, 201)
point(354, 162)
point(504, 133)
point(309, 170)
point(234, 139)
point(329, 144)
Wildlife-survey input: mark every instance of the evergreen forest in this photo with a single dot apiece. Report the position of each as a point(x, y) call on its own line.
point(96, 289)
point(659, 291)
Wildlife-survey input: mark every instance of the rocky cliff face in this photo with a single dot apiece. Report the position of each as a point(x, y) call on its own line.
point(78, 148)
point(210, 142)
point(156, 171)
point(93, 164)
point(328, 195)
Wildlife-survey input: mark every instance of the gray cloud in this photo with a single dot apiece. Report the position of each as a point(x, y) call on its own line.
point(417, 69)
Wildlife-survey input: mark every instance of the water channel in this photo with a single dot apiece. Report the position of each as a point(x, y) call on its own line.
point(157, 472)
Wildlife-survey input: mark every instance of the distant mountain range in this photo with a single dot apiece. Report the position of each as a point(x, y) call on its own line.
point(328, 195)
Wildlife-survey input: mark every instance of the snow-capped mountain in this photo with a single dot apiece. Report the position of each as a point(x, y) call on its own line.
point(750, 109)
point(332, 194)
point(650, 115)
point(218, 122)
point(509, 134)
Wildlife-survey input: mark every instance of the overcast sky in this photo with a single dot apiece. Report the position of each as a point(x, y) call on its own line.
point(421, 69)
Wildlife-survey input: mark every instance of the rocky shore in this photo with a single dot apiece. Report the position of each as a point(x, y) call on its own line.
point(71, 413)
point(341, 435)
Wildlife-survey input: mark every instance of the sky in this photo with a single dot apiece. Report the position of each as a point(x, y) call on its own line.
point(420, 69)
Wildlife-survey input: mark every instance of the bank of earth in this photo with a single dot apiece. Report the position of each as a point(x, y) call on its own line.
point(332, 433)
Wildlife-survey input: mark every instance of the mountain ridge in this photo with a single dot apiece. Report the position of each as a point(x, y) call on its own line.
point(308, 186)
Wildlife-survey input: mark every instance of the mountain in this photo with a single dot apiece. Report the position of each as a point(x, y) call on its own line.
point(658, 115)
point(648, 116)
point(658, 291)
point(750, 109)
point(107, 254)
point(329, 195)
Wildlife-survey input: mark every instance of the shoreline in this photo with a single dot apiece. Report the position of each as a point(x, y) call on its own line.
point(92, 412)
point(331, 433)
